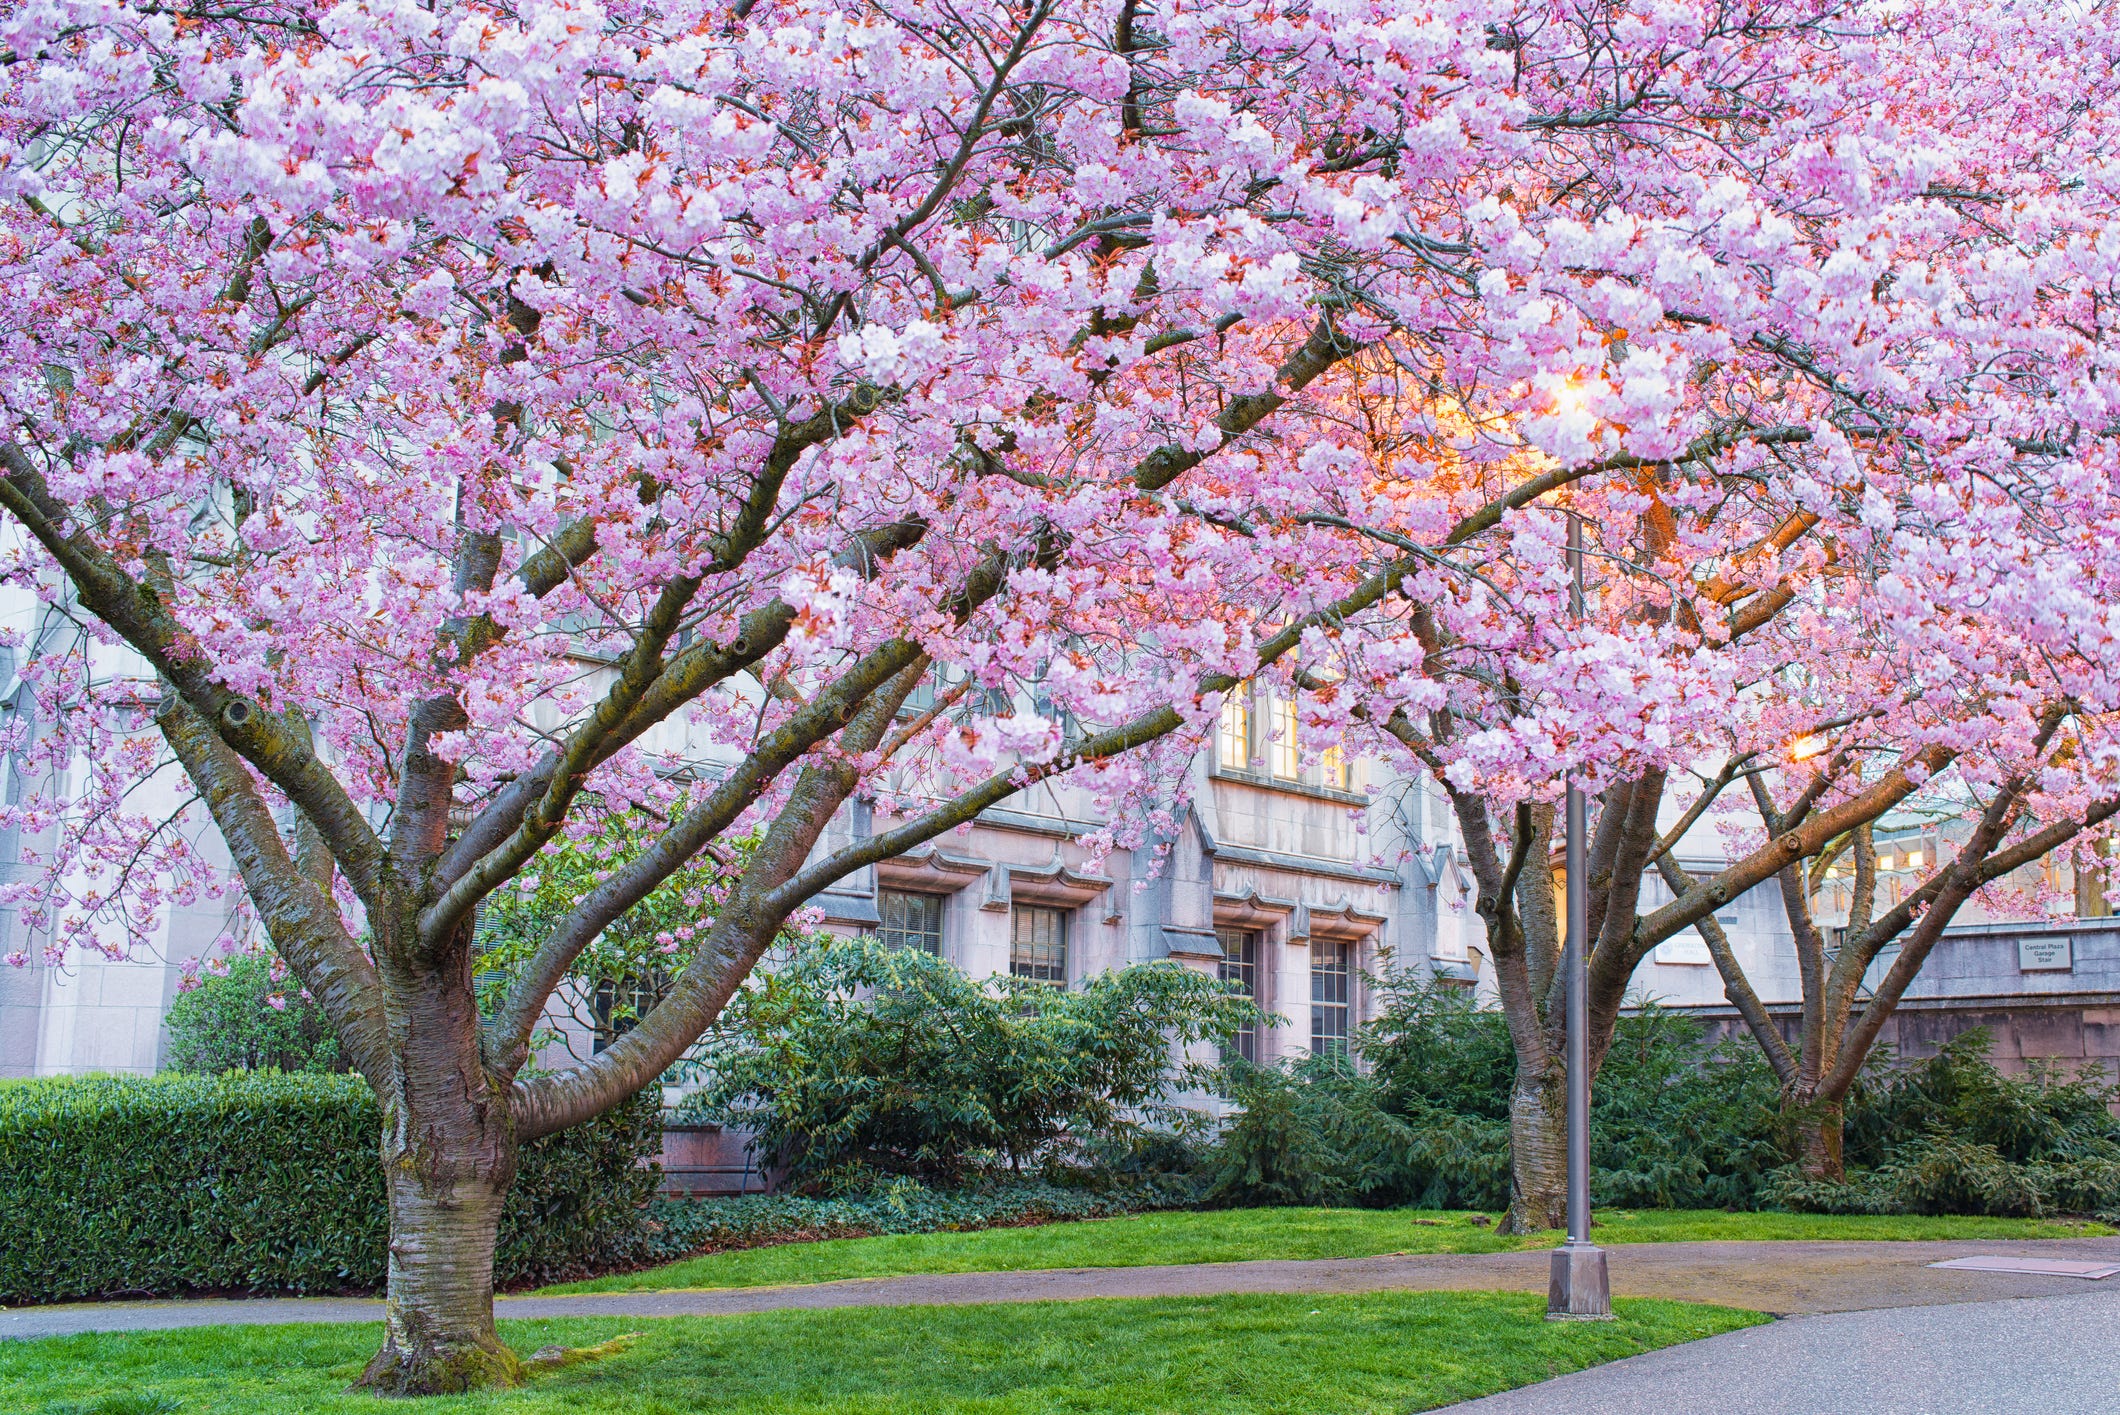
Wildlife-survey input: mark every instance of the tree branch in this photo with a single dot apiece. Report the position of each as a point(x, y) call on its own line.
point(744, 928)
point(825, 713)
point(1766, 862)
point(691, 673)
point(1736, 986)
point(1700, 807)
point(137, 615)
point(298, 915)
point(585, 746)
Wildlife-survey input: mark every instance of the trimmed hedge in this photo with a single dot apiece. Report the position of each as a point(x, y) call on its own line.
point(682, 1227)
point(262, 1182)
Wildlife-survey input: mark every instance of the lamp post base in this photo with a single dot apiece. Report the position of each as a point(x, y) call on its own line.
point(1581, 1290)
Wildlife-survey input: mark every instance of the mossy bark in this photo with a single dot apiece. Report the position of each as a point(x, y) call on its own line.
point(449, 1156)
point(1819, 1128)
point(439, 1337)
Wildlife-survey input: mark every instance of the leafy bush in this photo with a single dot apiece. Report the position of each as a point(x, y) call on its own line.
point(245, 1019)
point(857, 1062)
point(1677, 1125)
point(1316, 1131)
point(1954, 1135)
point(1166, 1161)
point(261, 1182)
point(1431, 1046)
point(623, 971)
point(1428, 1124)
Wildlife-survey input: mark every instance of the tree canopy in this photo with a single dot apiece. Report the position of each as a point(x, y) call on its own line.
point(430, 426)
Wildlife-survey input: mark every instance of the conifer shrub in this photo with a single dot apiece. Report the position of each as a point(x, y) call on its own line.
point(1954, 1135)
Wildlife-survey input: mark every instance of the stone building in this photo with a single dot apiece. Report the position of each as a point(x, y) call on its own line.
point(2046, 991)
point(92, 1013)
point(1298, 876)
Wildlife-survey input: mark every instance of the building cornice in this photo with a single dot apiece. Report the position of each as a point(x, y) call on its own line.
point(1300, 864)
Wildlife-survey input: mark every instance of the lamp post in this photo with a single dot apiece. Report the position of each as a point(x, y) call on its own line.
point(1581, 1288)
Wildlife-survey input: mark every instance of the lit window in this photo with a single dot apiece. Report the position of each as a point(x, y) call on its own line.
point(910, 920)
point(1281, 751)
point(1913, 859)
point(1038, 943)
point(1331, 981)
point(1240, 969)
point(1337, 771)
point(1234, 753)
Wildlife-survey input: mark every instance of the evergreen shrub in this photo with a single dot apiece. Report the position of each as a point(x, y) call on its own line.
point(1425, 1120)
point(682, 1227)
point(856, 1064)
point(244, 1019)
point(264, 1182)
point(1954, 1135)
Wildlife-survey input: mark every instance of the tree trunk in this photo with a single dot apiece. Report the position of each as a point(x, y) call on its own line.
point(1538, 1155)
point(439, 1337)
point(449, 1157)
point(1818, 1134)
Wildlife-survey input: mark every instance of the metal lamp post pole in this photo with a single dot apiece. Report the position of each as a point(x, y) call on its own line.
point(1581, 1288)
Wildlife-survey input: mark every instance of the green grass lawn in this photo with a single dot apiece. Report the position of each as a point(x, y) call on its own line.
point(1234, 1235)
point(1377, 1354)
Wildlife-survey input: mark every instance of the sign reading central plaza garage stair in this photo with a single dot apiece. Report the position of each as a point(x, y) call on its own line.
point(2045, 953)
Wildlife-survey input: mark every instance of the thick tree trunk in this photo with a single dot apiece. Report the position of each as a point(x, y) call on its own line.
point(1818, 1128)
point(1538, 1156)
point(439, 1337)
point(449, 1157)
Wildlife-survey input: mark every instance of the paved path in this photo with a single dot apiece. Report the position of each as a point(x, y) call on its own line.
point(2045, 1356)
point(1782, 1278)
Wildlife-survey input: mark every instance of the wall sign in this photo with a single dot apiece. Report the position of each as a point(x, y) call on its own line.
point(2045, 953)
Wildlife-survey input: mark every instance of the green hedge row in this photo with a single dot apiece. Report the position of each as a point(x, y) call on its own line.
point(681, 1227)
point(262, 1182)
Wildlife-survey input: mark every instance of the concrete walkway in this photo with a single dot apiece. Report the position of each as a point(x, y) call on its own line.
point(1783, 1278)
point(2043, 1356)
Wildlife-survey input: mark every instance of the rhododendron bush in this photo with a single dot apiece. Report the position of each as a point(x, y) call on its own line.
point(451, 423)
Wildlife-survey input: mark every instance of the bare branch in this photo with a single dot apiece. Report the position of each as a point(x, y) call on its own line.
point(1736, 986)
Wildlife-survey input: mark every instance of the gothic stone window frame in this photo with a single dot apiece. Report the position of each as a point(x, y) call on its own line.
point(910, 918)
point(1333, 965)
point(1038, 941)
point(1240, 966)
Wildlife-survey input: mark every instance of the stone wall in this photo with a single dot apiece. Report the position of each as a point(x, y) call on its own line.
point(705, 1161)
point(2047, 992)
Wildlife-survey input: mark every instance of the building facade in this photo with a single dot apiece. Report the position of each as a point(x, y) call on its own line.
point(2046, 992)
point(1298, 877)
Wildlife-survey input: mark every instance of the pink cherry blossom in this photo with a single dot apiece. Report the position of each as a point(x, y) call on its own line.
point(428, 426)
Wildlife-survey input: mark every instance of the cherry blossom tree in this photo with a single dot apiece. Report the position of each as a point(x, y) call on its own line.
point(1842, 715)
point(1900, 571)
point(387, 376)
point(2038, 809)
point(450, 423)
